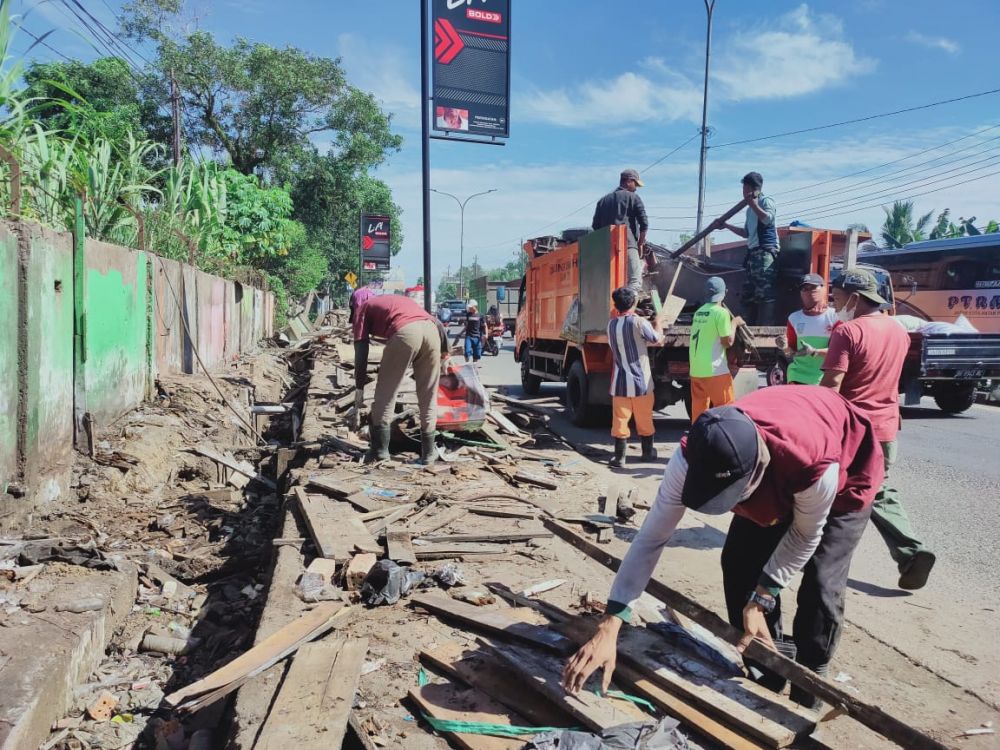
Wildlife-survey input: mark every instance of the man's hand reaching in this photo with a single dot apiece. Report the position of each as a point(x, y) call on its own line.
point(754, 628)
point(600, 652)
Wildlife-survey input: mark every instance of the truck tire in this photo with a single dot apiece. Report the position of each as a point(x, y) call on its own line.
point(954, 398)
point(530, 384)
point(578, 406)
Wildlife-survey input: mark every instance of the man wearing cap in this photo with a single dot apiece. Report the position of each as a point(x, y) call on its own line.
point(413, 337)
point(758, 294)
point(474, 332)
point(864, 363)
point(808, 332)
point(711, 335)
point(799, 467)
point(624, 206)
point(631, 378)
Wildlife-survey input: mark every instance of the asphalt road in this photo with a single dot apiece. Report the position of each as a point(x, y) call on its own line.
point(948, 476)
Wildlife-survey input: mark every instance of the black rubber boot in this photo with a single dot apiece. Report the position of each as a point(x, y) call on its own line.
point(621, 444)
point(648, 449)
point(378, 450)
point(428, 448)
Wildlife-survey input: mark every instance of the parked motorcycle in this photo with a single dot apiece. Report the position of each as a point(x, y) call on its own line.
point(491, 345)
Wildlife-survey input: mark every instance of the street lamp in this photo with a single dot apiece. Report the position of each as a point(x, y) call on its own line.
point(461, 246)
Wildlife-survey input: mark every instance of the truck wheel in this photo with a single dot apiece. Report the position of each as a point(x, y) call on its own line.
point(530, 384)
point(578, 396)
point(954, 398)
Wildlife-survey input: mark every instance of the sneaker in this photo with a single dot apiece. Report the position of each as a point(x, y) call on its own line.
point(914, 574)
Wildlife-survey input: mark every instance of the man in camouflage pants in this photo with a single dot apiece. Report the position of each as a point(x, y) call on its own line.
point(758, 294)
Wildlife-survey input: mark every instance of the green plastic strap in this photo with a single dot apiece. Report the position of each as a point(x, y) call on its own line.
point(630, 698)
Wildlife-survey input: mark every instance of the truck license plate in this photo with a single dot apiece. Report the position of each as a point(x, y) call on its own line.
point(973, 374)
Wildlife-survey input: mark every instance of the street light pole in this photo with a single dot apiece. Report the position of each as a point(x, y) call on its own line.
point(709, 8)
point(461, 246)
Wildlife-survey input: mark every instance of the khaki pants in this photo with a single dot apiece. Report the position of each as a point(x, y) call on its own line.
point(708, 392)
point(624, 408)
point(417, 345)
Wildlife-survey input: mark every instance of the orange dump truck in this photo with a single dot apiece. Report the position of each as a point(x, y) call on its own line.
point(565, 305)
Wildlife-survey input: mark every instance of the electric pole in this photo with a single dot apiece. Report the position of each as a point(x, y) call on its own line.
point(709, 8)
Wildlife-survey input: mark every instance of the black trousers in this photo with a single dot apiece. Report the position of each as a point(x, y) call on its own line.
point(820, 613)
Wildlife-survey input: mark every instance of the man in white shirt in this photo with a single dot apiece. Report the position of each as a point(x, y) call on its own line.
point(799, 470)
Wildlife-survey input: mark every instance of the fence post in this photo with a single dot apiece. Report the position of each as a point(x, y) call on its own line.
point(83, 428)
point(15, 180)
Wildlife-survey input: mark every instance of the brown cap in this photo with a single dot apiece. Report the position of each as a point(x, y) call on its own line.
point(631, 174)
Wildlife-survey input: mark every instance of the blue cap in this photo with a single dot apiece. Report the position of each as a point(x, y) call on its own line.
point(715, 289)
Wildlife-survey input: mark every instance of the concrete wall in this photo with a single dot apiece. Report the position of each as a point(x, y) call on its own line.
point(131, 307)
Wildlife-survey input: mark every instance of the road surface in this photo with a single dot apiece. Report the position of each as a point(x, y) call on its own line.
point(949, 480)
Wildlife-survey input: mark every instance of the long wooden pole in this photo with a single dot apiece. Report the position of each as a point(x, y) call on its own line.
point(871, 716)
point(708, 230)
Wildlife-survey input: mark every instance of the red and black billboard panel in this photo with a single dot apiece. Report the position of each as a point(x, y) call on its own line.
point(375, 242)
point(472, 67)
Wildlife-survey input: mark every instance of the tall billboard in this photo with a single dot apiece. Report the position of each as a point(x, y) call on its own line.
point(472, 67)
point(375, 235)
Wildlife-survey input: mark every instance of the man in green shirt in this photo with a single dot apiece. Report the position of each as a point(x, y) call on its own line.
point(711, 335)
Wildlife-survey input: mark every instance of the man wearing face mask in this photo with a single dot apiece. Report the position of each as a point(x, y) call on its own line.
point(799, 467)
point(864, 362)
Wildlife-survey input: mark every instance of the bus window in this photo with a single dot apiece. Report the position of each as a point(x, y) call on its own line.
point(961, 274)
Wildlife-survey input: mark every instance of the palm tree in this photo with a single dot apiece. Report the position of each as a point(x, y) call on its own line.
point(899, 227)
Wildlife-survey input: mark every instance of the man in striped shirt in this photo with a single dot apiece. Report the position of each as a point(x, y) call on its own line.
point(631, 379)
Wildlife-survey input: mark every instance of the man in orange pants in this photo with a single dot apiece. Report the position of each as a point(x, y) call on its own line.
point(631, 378)
point(711, 335)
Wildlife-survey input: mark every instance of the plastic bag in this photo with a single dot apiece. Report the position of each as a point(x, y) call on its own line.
point(571, 323)
point(387, 583)
point(462, 401)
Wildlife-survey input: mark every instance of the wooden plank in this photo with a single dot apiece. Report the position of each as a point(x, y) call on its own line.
point(241, 467)
point(494, 623)
point(871, 716)
point(357, 570)
point(386, 511)
point(335, 528)
point(542, 674)
point(545, 482)
point(338, 487)
point(365, 502)
point(268, 652)
point(398, 547)
point(450, 703)
point(438, 522)
point(441, 551)
point(505, 424)
point(483, 671)
point(501, 512)
point(770, 719)
point(314, 702)
point(501, 536)
point(379, 527)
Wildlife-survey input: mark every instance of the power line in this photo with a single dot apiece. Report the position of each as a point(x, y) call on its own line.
point(41, 40)
point(858, 119)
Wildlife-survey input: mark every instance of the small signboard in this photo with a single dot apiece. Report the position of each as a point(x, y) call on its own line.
point(375, 235)
point(472, 67)
point(351, 278)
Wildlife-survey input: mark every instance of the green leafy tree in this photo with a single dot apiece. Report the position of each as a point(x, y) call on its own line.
point(900, 228)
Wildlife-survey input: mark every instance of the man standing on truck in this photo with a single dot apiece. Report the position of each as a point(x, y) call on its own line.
point(799, 467)
point(808, 332)
point(711, 335)
point(864, 362)
point(631, 378)
point(624, 206)
point(413, 338)
point(758, 294)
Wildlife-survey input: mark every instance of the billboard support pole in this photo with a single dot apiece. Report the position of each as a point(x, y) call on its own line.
point(361, 249)
point(425, 149)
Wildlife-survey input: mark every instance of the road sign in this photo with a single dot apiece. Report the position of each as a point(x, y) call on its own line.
point(351, 278)
point(375, 242)
point(472, 67)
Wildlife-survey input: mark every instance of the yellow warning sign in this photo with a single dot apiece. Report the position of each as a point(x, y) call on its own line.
point(351, 278)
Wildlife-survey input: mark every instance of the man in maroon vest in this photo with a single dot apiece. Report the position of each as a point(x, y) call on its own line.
point(799, 467)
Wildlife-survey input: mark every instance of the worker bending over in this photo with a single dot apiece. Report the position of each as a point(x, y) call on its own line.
point(808, 332)
point(864, 363)
point(712, 333)
point(799, 467)
point(413, 337)
point(631, 379)
point(624, 206)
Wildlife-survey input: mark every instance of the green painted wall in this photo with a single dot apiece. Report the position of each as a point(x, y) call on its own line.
point(8, 355)
point(115, 341)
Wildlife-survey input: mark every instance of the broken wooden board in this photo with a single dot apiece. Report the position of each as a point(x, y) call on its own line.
point(542, 674)
point(266, 653)
point(357, 570)
point(450, 703)
point(314, 702)
point(504, 424)
point(444, 551)
point(479, 669)
point(494, 622)
point(437, 522)
point(388, 510)
point(495, 537)
point(335, 528)
point(480, 510)
point(770, 719)
point(241, 467)
point(338, 487)
point(378, 528)
point(398, 547)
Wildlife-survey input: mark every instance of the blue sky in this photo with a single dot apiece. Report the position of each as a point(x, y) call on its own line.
point(600, 86)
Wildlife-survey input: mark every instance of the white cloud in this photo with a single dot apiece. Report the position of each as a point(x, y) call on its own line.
point(934, 42)
point(800, 53)
point(384, 72)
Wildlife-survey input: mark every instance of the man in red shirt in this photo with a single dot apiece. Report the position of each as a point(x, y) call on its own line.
point(414, 338)
point(864, 362)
